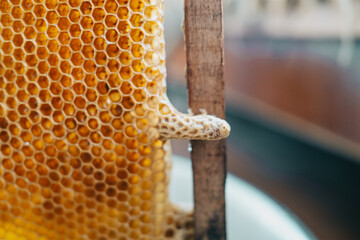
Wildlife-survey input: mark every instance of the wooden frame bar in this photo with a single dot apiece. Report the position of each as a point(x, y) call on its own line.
point(205, 75)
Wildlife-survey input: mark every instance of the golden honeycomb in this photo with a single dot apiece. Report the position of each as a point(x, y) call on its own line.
point(85, 122)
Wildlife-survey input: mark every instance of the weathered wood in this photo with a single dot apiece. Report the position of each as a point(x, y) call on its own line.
point(205, 75)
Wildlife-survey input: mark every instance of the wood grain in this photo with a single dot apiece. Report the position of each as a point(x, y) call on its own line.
point(205, 75)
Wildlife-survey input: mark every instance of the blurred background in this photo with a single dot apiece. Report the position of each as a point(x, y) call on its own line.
point(293, 101)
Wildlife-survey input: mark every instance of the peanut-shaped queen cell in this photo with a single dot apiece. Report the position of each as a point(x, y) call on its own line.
point(85, 122)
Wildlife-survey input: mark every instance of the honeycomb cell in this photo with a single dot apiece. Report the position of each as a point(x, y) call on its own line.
point(77, 59)
point(31, 74)
point(52, 32)
point(126, 72)
point(18, 54)
point(136, 5)
point(139, 95)
point(102, 73)
point(111, 21)
point(65, 67)
point(75, 30)
point(55, 88)
point(74, 15)
point(65, 52)
point(64, 24)
point(112, 35)
point(64, 38)
point(6, 20)
point(57, 102)
point(151, 27)
point(138, 65)
point(86, 8)
point(31, 60)
point(114, 80)
point(123, 13)
point(39, 11)
point(88, 51)
point(98, 14)
point(79, 88)
point(89, 66)
point(137, 50)
point(18, 40)
point(62, 9)
point(27, 5)
point(53, 60)
point(40, 25)
point(7, 33)
point(7, 47)
point(41, 39)
point(53, 46)
point(16, 12)
point(113, 65)
point(136, 20)
point(99, 30)
point(19, 68)
point(68, 95)
point(52, 17)
point(29, 47)
point(151, 12)
point(87, 22)
point(28, 18)
point(75, 44)
point(123, 27)
point(139, 80)
point(66, 81)
point(54, 74)
point(43, 67)
point(152, 58)
point(137, 35)
point(115, 95)
point(87, 36)
point(18, 26)
point(80, 102)
point(5, 7)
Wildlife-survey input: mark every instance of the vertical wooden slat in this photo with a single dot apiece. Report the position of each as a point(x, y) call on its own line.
point(205, 75)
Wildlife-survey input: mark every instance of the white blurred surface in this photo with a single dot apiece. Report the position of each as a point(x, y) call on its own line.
point(251, 214)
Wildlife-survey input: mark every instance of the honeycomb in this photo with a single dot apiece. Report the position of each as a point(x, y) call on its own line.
point(85, 122)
